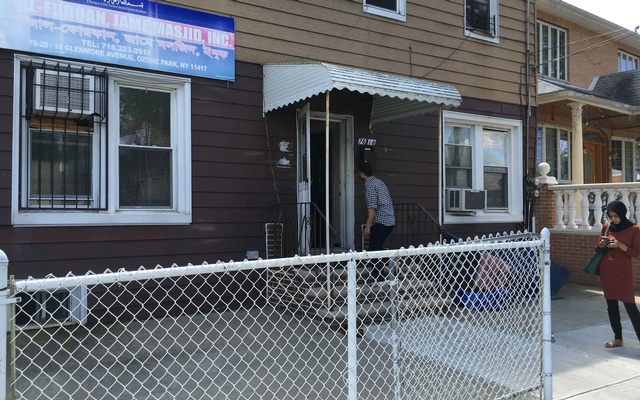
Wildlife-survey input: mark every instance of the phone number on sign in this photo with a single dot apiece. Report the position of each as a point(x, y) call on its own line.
point(126, 49)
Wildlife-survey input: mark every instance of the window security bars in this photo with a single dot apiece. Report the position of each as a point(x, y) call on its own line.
point(451, 321)
point(480, 17)
point(63, 128)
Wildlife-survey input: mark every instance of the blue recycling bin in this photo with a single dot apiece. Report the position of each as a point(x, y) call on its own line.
point(559, 275)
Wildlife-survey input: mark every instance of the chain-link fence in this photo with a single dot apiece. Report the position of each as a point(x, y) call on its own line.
point(450, 321)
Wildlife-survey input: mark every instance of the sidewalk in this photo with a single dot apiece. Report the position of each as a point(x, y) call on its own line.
point(583, 368)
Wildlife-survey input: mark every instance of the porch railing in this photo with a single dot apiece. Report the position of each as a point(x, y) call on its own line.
point(415, 226)
point(582, 207)
point(299, 230)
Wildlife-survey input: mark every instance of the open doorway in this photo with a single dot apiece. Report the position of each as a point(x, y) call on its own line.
point(338, 205)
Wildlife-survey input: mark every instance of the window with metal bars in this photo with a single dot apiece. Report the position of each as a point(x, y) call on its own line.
point(481, 16)
point(113, 143)
point(64, 132)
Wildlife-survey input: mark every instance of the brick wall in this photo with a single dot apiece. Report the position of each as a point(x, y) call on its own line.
point(570, 248)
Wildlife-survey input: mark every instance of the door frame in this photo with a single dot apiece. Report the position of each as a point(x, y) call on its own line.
point(303, 176)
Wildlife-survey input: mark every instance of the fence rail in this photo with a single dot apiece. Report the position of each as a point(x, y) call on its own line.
point(453, 320)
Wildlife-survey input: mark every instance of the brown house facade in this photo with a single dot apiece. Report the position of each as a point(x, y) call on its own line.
point(166, 167)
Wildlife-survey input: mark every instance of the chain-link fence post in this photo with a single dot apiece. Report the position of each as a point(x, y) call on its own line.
point(352, 322)
point(547, 370)
point(4, 294)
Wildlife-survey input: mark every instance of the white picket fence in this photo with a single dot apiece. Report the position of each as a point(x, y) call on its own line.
point(452, 321)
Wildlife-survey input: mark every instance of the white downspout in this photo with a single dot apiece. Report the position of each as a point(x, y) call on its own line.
point(440, 165)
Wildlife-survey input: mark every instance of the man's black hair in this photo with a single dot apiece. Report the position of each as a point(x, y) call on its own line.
point(365, 168)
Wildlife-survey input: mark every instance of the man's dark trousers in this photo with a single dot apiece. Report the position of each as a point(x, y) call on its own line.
point(377, 236)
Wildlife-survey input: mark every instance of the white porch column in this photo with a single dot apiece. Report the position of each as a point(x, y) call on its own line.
point(577, 156)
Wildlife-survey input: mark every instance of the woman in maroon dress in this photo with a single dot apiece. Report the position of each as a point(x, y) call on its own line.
point(616, 273)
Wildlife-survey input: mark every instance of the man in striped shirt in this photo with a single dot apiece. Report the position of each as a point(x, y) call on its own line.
point(380, 216)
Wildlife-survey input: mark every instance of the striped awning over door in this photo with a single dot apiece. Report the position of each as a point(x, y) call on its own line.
point(395, 96)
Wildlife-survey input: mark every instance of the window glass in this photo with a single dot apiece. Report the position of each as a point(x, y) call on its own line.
point(627, 62)
point(553, 53)
point(145, 148)
point(625, 156)
point(494, 147)
point(544, 49)
point(551, 150)
point(552, 47)
point(557, 152)
point(391, 5)
point(394, 9)
point(616, 161)
point(562, 56)
point(564, 156)
point(457, 135)
point(478, 15)
point(60, 168)
point(539, 137)
point(496, 184)
point(628, 162)
point(458, 156)
point(636, 158)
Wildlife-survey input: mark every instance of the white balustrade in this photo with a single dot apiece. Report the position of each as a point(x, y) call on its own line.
point(580, 207)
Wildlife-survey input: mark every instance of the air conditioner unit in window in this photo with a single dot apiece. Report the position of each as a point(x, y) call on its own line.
point(61, 306)
point(63, 92)
point(466, 199)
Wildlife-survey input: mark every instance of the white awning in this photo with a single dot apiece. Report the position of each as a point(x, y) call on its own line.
point(395, 96)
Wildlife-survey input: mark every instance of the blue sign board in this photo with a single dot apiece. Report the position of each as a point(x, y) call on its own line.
point(136, 33)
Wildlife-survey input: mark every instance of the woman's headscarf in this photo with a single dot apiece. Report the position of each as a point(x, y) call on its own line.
point(620, 209)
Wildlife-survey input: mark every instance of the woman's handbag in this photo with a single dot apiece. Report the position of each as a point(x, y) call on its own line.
point(593, 266)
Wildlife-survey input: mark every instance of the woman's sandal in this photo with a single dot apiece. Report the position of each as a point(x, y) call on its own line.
point(613, 343)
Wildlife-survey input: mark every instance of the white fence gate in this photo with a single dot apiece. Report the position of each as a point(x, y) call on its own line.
point(452, 321)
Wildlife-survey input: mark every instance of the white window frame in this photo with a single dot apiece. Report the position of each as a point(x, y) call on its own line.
point(550, 48)
point(494, 7)
point(478, 123)
point(180, 213)
point(633, 144)
point(623, 55)
point(400, 14)
point(543, 149)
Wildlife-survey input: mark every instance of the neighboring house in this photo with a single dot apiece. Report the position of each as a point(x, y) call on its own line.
point(588, 96)
point(130, 138)
point(588, 128)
